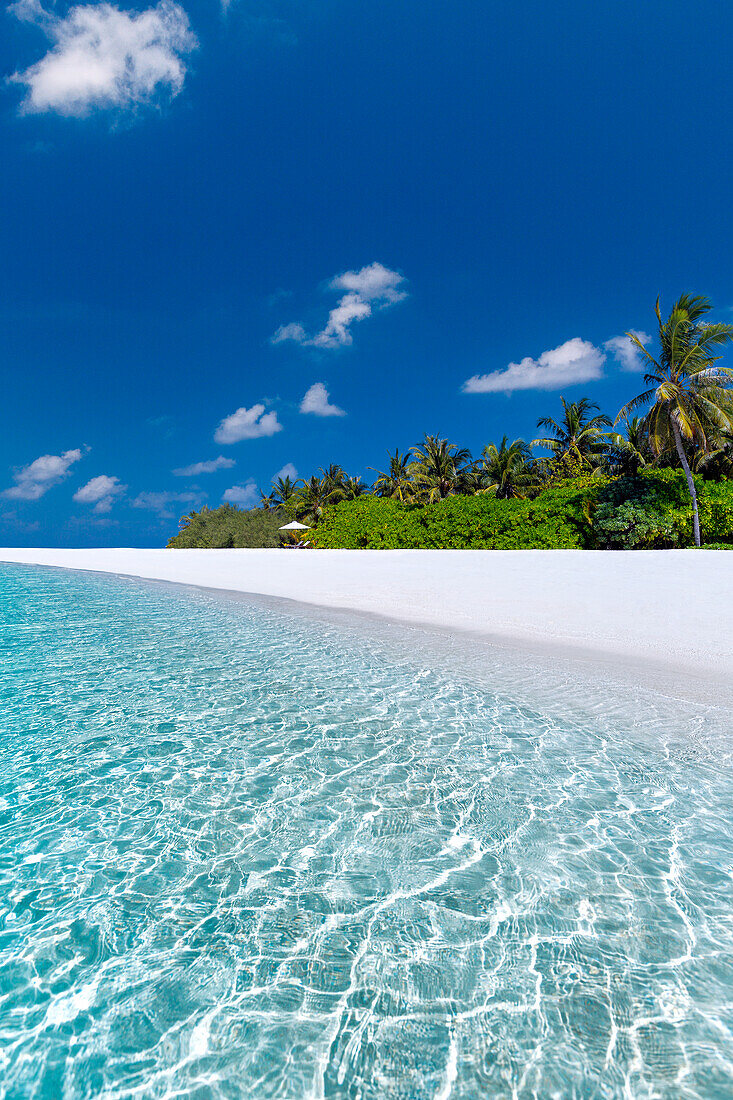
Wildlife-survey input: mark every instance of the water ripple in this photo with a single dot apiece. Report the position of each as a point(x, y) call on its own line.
point(246, 852)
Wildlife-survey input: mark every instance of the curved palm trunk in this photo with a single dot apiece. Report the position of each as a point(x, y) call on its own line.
point(690, 482)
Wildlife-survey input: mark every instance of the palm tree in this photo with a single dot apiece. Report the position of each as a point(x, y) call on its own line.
point(628, 453)
point(283, 490)
point(718, 461)
point(333, 475)
point(311, 499)
point(505, 470)
point(690, 396)
point(396, 482)
point(579, 438)
point(438, 468)
point(267, 500)
point(352, 487)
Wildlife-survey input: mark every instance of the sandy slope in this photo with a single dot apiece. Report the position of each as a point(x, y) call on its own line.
point(670, 607)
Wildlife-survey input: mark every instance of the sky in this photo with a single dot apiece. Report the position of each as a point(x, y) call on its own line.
point(269, 235)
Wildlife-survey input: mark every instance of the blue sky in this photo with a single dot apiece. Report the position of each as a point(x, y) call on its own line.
point(220, 224)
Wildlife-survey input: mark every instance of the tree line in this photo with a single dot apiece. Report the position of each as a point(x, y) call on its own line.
point(687, 422)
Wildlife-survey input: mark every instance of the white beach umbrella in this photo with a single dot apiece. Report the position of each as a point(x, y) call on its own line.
point(295, 526)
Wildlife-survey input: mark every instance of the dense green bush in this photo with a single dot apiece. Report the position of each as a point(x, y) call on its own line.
point(652, 510)
point(556, 518)
point(227, 527)
point(716, 511)
point(376, 523)
point(641, 512)
point(649, 510)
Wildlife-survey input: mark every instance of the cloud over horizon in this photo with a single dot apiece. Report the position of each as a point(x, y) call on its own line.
point(102, 57)
point(316, 401)
point(100, 491)
point(247, 423)
point(288, 470)
point(32, 481)
point(573, 362)
point(162, 503)
point(246, 496)
point(209, 467)
point(372, 287)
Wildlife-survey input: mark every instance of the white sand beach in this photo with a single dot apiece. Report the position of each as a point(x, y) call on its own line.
point(671, 608)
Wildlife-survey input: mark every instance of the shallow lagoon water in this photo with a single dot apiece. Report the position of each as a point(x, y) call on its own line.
point(253, 851)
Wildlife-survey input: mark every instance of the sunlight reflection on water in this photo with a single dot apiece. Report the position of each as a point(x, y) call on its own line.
point(247, 851)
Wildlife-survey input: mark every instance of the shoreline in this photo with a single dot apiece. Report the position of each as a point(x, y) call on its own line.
point(667, 611)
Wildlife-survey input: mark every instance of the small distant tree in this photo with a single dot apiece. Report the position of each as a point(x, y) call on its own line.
point(577, 440)
point(312, 497)
point(438, 468)
point(283, 490)
point(506, 470)
point(630, 451)
point(397, 481)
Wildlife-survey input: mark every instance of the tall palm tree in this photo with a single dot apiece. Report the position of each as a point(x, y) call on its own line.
point(396, 482)
point(505, 470)
point(689, 394)
point(437, 468)
point(578, 437)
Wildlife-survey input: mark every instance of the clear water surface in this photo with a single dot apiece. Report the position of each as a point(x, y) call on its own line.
point(254, 852)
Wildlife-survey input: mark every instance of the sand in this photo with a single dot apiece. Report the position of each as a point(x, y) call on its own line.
point(670, 608)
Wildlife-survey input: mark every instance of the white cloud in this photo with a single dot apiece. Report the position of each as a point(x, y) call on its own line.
point(162, 503)
point(102, 57)
point(246, 496)
point(100, 492)
point(247, 424)
point(625, 351)
point(30, 11)
point(337, 332)
point(373, 283)
point(574, 361)
point(316, 402)
point(293, 331)
point(32, 481)
point(288, 470)
point(209, 467)
point(373, 286)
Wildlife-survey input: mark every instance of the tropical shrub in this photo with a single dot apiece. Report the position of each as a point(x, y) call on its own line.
point(651, 509)
point(227, 527)
point(369, 522)
point(640, 512)
point(716, 511)
point(647, 510)
point(556, 518)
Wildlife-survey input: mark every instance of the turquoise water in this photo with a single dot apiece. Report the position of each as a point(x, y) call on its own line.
point(252, 852)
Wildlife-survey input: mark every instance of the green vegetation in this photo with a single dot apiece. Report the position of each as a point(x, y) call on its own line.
point(651, 510)
point(555, 518)
point(227, 527)
point(661, 479)
point(690, 395)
